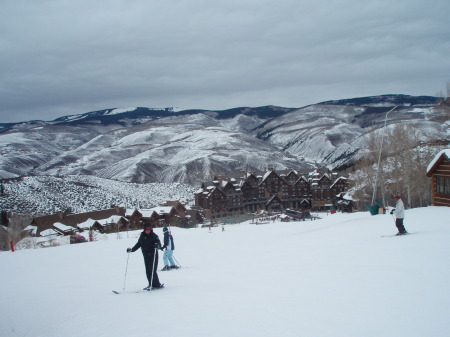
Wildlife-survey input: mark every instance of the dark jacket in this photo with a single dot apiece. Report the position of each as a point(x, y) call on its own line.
point(147, 243)
point(168, 237)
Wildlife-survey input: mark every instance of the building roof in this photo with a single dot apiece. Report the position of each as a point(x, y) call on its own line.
point(436, 161)
point(47, 221)
point(63, 228)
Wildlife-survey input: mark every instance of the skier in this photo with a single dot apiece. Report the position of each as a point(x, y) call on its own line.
point(169, 247)
point(149, 243)
point(399, 212)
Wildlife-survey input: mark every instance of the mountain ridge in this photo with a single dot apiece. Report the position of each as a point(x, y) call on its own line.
point(147, 145)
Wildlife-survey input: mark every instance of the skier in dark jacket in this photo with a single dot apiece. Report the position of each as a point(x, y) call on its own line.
point(169, 246)
point(149, 243)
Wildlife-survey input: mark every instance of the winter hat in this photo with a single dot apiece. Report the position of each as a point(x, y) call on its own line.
point(147, 225)
point(165, 229)
point(398, 197)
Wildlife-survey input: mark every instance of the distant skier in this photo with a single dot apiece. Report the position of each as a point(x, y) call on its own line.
point(399, 212)
point(169, 247)
point(149, 243)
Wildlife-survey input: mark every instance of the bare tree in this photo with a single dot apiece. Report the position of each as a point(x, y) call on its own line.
point(14, 231)
point(404, 159)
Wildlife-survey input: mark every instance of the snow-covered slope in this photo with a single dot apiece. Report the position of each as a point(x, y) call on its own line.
point(334, 134)
point(151, 145)
point(332, 277)
point(79, 194)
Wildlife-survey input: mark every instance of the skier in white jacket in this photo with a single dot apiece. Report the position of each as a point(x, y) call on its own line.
point(399, 212)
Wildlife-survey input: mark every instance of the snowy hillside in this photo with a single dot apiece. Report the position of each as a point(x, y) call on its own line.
point(144, 145)
point(47, 194)
point(334, 134)
point(334, 277)
point(185, 148)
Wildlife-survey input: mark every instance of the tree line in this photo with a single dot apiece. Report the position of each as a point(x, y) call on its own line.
point(394, 161)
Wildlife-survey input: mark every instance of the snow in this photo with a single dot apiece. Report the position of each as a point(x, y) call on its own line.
point(119, 111)
point(63, 227)
point(333, 277)
point(436, 158)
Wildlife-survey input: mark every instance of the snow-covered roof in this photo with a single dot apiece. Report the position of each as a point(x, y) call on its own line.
point(129, 211)
point(162, 209)
point(266, 175)
point(146, 213)
point(445, 152)
point(347, 196)
point(111, 220)
point(32, 229)
point(86, 224)
point(49, 232)
point(338, 179)
point(63, 227)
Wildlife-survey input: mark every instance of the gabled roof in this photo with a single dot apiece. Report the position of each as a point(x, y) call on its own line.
point(338, 179)
point(272, 199)
point(161, 210)
point(325, 175)
point(147, 213)
point(111, 220)
point(300, 179)
point(44, 222)
point(129, 211)
point(49, 232)
point(86, 224)
point(63, 228)
point(31, 229)
point(437, 160)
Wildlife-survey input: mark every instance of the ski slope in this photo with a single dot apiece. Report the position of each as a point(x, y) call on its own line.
point(334, 277)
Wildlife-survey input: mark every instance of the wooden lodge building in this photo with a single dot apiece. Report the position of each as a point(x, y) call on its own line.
point(439, 171)
point(272, 192)
point(115, 219)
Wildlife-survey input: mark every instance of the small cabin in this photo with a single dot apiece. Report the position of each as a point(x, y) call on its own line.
point(439, 171)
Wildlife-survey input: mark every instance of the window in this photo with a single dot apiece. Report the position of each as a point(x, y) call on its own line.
point(442, 185)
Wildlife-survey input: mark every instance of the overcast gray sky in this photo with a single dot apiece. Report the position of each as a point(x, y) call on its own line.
point(61, 57)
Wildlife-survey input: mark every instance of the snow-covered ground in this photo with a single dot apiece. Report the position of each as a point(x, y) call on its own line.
point(331, 277)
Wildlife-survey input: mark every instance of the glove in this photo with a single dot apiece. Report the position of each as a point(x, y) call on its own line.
point(129, 250)
point(392, 212)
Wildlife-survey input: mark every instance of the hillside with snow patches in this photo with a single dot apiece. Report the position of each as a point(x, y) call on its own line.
point(143, 145)
point(333, 277)
point(79, 194)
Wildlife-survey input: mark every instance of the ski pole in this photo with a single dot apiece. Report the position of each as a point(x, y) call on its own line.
point(178, 263)
point(126, 269)
point(153, 269)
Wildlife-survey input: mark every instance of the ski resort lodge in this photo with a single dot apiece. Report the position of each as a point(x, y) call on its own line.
point(272, 192)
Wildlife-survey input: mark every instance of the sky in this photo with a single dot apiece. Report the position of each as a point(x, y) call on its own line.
point(333, 277)
point(63, 57)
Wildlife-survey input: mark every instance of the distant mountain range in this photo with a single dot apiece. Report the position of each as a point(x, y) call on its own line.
point(144, 145)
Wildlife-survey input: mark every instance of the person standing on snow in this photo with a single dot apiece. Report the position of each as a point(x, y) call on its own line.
point(399, 212)
point(169, 247)
point(149, 243)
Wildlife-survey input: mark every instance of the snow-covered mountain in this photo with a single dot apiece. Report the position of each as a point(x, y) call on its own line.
point(164, 145)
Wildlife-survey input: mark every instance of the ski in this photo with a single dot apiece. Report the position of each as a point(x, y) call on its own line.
point(394, 235)
point(138, 291)
point(169, 269)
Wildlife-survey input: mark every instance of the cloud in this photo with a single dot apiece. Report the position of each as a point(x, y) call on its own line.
point(66, 57)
